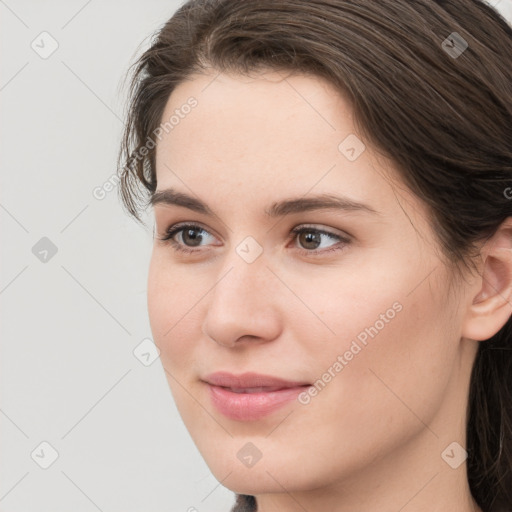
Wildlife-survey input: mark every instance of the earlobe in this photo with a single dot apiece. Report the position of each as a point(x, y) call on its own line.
point(491, 305)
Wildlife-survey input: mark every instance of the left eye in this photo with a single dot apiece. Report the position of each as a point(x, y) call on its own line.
point(312, 236)
point(309, 237)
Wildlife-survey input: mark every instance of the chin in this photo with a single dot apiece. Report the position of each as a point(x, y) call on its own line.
point(278, 469)
point(254, 482)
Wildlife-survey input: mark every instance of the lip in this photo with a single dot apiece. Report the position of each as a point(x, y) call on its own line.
point(250, 396)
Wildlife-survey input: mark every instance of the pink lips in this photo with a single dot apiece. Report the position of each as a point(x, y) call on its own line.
point(250, 396)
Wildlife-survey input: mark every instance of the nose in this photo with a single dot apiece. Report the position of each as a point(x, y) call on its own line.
point(243, 304)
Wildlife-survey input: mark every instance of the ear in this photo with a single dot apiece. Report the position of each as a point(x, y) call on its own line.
point(491, 305)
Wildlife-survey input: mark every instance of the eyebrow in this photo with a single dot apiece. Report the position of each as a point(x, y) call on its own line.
point(278, 209)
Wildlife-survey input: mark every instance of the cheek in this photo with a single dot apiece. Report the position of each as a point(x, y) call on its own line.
point(394, 367)
point(395, 337)
point(167, 301)
point(176, 301)
point(160, 297)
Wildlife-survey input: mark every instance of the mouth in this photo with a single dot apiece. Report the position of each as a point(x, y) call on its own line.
point(250, 396)
point(253, 390)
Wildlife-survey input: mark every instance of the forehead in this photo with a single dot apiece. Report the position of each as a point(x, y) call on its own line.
point(268, 134)
point(270, 111)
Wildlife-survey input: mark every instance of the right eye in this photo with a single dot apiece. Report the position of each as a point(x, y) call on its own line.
point(188, 233)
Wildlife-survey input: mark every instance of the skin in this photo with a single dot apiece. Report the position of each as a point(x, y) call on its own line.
point(372, 438)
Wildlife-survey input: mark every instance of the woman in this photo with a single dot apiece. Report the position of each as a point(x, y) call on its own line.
point(331, 279)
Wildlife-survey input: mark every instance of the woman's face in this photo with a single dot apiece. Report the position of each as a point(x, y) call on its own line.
point(357, 305)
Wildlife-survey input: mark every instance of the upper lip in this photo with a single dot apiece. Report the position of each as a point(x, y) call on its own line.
point(250, 380)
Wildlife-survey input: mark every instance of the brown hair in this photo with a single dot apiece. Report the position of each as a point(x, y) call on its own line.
point(444, 119)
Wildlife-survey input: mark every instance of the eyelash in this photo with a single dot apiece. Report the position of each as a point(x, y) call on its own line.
point(173, 230)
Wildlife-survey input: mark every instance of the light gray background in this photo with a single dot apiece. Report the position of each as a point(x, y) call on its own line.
point(69, 325)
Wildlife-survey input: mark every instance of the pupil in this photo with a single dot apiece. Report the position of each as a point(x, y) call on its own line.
point(196, 239)
point(310, 237)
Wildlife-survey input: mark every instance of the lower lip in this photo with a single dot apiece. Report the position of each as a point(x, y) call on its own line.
point(251, 406)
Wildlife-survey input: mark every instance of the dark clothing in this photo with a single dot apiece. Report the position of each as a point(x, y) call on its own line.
point(244, 503)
